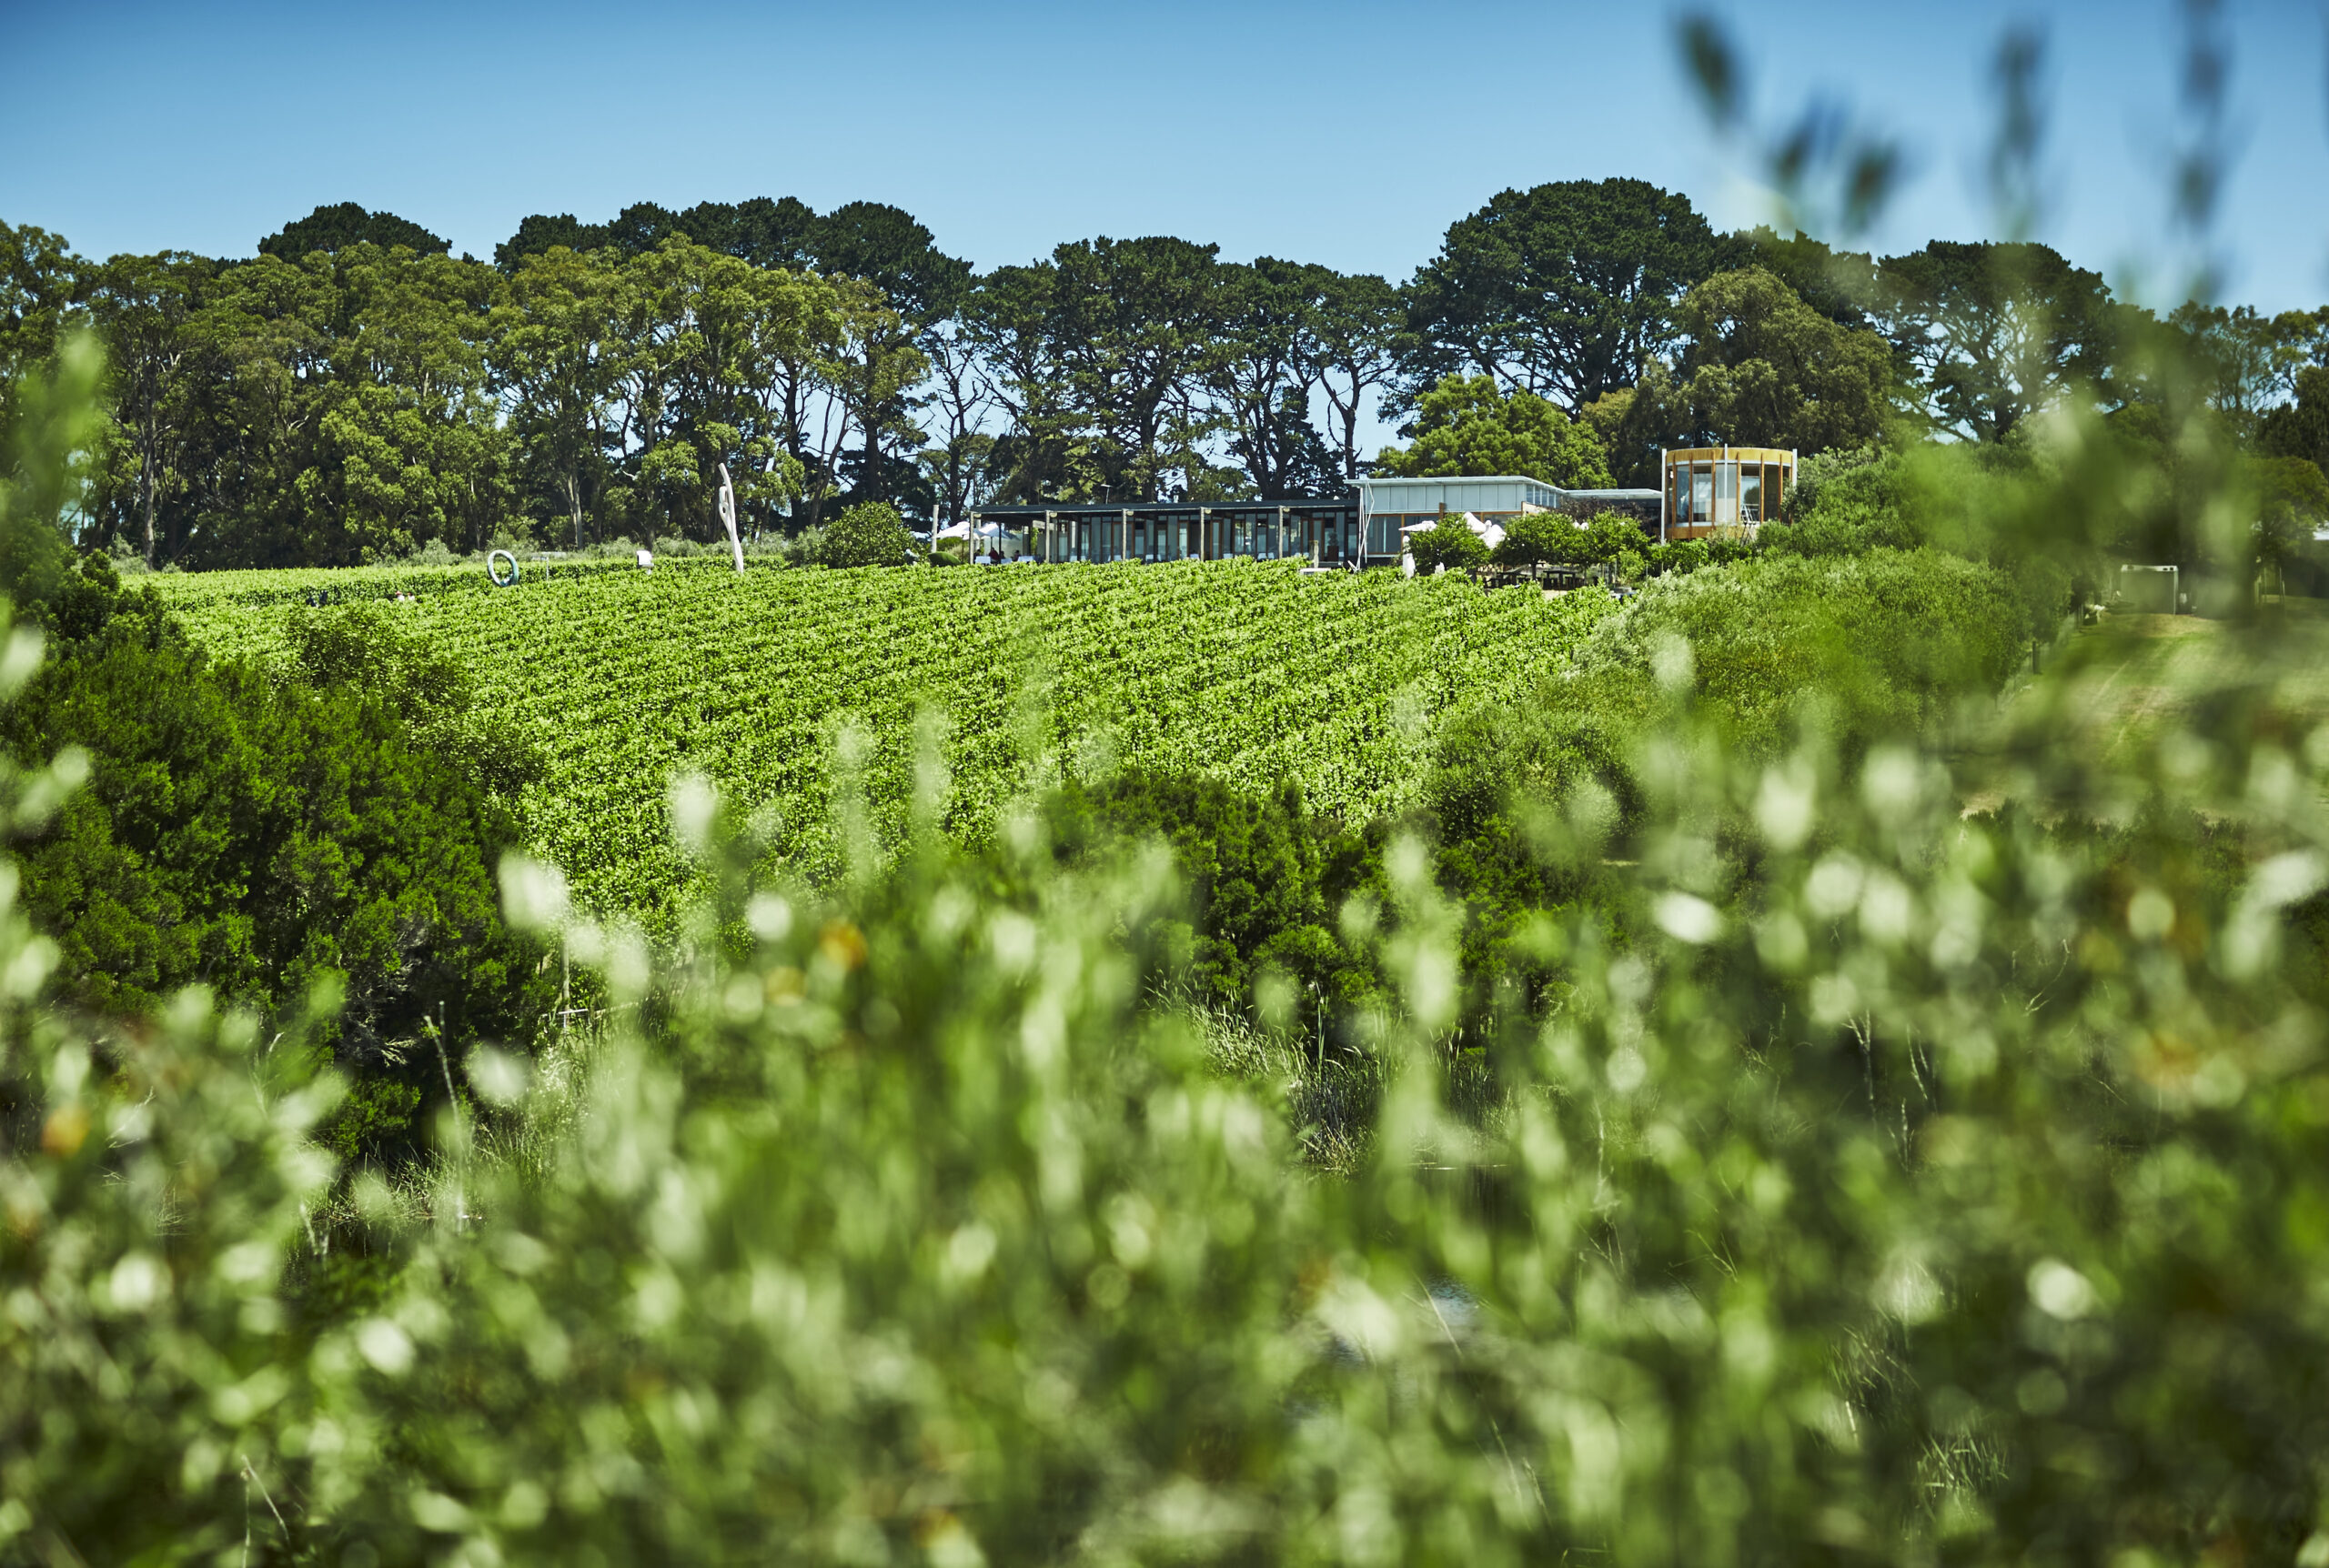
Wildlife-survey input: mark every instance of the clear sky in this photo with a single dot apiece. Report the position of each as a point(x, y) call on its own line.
point(1350, 134)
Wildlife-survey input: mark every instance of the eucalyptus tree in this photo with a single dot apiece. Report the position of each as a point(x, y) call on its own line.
point(1006, 323)
point(1759, 366)
point(1354, 326)
point(40, 284)
point(142, 307)
point(1103, 354)
point(2251, 360)
point(412, 448)
point(921, 290)
point(557, 355)
point(1262, 381)
point(962, 394)
point(736, 364)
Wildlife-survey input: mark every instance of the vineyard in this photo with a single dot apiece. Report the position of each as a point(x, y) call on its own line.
point(1252, 673)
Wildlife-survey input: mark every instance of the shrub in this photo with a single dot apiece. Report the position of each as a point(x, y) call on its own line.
point(1450, 543)
point(870, 534)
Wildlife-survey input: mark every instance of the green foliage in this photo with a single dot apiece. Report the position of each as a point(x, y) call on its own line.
point(1563, 290)
point(1264, 879)
point(2299, 427)
point(1873, 644)
point(1449, 545)
point(329, 228)
point(1464, 426)
point(273, 840)
point(1305, 1069)
point(1874, 1156)
point(1786, 1101)
point(1840, 285)
point(1249, 673)
point(266, 838)
point(869, 535)
point(1993, 333)
point(1535, 538)
point(1556, 539)
point(1761, 369)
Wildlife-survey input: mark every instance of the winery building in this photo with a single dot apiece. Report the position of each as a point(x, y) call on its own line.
point(1705, 493)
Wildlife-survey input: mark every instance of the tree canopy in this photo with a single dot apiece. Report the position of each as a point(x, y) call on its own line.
point(1759, 367)
point(356, 393)
point(1563, 291)
point(1465, 425)
point(1991, 333)
point(332, 228)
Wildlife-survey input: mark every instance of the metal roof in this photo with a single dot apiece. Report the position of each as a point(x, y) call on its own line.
point(1113, 508)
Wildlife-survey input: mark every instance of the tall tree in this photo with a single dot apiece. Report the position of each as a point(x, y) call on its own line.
point(40, 285)
point(1465, 425)
point(557, 359)
point(2251, 360)
point(921, 286)
point(962, 394)
point(1136, 328)
point(1564, 291)
point(1007, 320)
point(144, 306)
point(1989, 334)
point(1840, 285)
point(333, 228)
point(1760, 368)
point(412, 448)
point(2299, 427)
point(1264, 379)
point(1354, 329)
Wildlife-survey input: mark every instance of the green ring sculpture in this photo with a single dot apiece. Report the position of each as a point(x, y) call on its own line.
point(491, 570)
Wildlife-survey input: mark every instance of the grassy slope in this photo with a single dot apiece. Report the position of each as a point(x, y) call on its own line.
point(2133, 676)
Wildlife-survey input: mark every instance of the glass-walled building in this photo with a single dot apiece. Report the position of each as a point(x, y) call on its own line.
point(1712, 492)
point(1391, 506)
point(1323, 530)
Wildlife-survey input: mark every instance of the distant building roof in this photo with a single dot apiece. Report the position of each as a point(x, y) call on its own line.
point(1486, 493)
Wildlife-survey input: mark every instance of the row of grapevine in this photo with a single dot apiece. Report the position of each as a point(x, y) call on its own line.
point(1250, 672)
point(343, 585)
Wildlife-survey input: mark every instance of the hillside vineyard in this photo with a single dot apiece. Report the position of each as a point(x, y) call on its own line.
point(1251, 673)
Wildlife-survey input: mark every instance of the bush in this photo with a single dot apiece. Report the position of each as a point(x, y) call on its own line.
point(1450, 544)
point(264, 838)
point(870, 534)
point(917, 1160)
point(1263, 877)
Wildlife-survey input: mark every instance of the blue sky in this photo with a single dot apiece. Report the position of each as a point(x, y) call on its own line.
point(1347, 134)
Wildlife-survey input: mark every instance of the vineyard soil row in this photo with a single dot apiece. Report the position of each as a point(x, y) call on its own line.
point(1249, 672)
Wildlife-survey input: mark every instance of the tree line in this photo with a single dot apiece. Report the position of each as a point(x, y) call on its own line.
point(355, 392)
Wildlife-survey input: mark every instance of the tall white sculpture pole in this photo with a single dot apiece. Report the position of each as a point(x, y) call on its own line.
point(728, 515)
